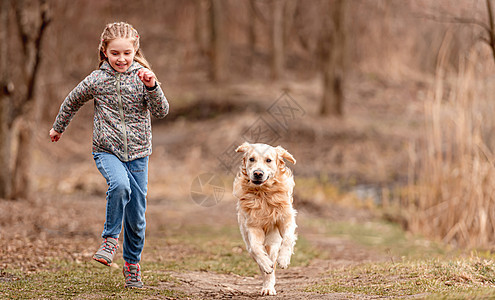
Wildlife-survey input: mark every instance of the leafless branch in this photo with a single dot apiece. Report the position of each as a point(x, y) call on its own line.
point(20, 21)
point(489, 28)
point(484, 40)
point(454, 20)
point(45, 20)
point(257, 12)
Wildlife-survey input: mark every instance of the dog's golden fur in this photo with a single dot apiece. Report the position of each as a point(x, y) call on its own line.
point(265, 205)
point(264, 188)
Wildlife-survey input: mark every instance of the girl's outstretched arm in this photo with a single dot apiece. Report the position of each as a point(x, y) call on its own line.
point(82, 93)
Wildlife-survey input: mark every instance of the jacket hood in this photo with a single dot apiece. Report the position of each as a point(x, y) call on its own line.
point(108, 68)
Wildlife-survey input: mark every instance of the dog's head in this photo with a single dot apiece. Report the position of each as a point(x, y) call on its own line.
point(262, 162)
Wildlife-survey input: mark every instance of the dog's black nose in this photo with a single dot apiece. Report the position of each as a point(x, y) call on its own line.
point(258, 174)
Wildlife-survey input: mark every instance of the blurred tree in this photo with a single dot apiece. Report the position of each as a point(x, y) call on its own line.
point(5, 94)
point(289, 16)
point(201, 26)
point(252, 38)
point(278, 53)
point(488, 27)
point(16, 103)
point(333, 56)
point(491, 28)
point(218, 41)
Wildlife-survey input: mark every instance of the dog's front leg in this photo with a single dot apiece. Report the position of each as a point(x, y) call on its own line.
point(268, 288)
point(272, 246)
point(256, 238)
point(288, 233)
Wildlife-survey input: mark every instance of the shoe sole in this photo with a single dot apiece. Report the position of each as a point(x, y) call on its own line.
point(133, 287)
point(102, 261)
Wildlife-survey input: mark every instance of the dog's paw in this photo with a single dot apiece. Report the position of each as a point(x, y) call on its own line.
point(266, 264)
point(283, 261)
point(268, 292)
point(267, 267)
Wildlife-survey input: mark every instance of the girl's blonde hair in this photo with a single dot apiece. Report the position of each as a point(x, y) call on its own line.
point(121, 30)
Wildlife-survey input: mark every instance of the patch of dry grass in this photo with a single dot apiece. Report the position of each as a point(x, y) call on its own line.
point(459, 278)
point(452, 176)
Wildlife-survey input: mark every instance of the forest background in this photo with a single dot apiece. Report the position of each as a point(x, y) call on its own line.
point(386, 104)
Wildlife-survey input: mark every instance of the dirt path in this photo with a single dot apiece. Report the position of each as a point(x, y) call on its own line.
point(210, 285)
point(290, 282)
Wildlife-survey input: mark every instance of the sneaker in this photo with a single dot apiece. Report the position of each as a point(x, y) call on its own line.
point(132, 274)
point(106, 252)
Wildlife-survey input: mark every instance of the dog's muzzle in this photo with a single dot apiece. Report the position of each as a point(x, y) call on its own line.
point(258, 177)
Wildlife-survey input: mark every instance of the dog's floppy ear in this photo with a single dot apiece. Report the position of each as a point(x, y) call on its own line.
point(243, 148)
point(285, 154)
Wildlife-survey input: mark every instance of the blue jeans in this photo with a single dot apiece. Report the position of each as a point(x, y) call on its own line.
point(126, 201)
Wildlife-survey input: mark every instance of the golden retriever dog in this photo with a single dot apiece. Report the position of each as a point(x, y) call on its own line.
point(267, 220)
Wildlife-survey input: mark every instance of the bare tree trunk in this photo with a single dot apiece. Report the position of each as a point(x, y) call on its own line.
point(201, 27)
point(5, 174)
point(218, 41)
point(491, 31)
point(278, 54)
point(16, 109)
point(289, 14)
point(5, 94)
point(252, 32)
point(333, 57)
point(21, 176)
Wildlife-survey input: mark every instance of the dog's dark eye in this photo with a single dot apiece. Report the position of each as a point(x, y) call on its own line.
point(251, 159)
point(268, 160)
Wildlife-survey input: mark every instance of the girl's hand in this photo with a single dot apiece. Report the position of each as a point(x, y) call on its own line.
point(147, 77)
point(55, 136)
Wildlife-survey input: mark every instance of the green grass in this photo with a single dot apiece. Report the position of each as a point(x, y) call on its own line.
point(88, 280)
point(411, 265)
point(221, 250)
point(379, 236)
point(460, 279)
point(202, 248)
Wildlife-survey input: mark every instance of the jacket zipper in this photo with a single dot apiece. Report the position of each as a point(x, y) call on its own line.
point(121, 111)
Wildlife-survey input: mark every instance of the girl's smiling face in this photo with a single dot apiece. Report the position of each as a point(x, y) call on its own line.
point(120, 53)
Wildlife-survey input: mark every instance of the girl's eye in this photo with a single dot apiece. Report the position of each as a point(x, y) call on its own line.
point(268, 160)
point(251, 159)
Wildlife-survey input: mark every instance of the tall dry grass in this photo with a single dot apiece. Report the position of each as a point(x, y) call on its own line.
point(452, 174)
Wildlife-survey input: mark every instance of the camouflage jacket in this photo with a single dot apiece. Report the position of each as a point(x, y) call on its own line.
point(122, 106)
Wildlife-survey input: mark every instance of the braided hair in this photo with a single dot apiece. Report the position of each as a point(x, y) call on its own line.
point(125, 31)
